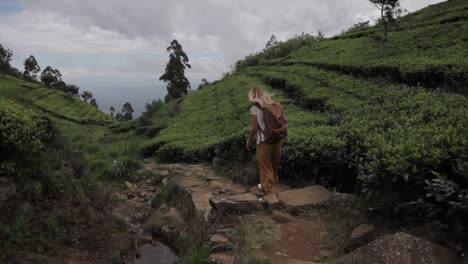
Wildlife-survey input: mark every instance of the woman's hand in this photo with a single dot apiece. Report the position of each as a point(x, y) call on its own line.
point(247, 146)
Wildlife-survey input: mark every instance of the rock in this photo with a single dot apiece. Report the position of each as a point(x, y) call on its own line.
point(124, 213)
point(120, 196)
point(281, 217)
point(256, 191)
point(131, 187)
point(239, 203)
point(360, 236)
point(272, 200)
point(220, 258)
point(344, 199)
point(276, 188)
point(201, 204)
point(219, 239)
point(186, 182)
point(7, 188)
point(164, 181)
point(399, 248)
point(309, 196)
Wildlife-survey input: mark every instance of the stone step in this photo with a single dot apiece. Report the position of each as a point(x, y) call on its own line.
point(274, 189)
point(236, 204)
point(309, 196)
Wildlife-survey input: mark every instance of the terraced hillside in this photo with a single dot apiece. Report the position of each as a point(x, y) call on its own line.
point(83, 127)
point(51, 101)
point(391, 121)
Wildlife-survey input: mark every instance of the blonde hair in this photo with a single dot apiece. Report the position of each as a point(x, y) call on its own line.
point(258, 95)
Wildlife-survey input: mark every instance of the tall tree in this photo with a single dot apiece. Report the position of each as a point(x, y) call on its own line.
point(86, 95)
point(127, 111)
point(5, 59)
point(204, 82)
point(112, 110)
point(320, 35)
point(174, 73)
point(389, 10)
point(31, 68)
point(51, 77)
point(73, 90)
point(93, 102)
point(271, 42)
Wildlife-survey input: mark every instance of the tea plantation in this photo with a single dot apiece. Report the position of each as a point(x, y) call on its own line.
point(390, 123)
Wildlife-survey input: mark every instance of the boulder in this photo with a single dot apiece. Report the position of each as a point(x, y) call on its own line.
point(360, 236)
point(399, 248)
point(7, 189)
point(309, 196)
point(239, 203)
point(281, 217)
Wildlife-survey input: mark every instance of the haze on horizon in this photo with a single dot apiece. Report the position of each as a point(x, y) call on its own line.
point(117, 49)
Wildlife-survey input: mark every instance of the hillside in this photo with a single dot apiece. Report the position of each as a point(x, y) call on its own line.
point(390, 123)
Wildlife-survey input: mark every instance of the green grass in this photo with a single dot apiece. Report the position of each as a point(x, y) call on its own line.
point(52, 102)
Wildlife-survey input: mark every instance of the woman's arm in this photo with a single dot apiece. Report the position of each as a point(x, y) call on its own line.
point(253, 132)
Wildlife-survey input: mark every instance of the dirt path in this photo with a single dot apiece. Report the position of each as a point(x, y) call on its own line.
point(232, 215)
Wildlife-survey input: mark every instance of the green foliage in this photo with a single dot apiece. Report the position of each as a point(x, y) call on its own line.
point(5, 59)
point(31, 68)
point(23, 136)
point(198, 255)
point(127, 111)
point(51, 77)
point(86, 95)
point(124, 166)
point(163, 194)
point(174, 74)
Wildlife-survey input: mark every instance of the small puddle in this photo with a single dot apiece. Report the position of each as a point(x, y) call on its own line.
point(156, 253)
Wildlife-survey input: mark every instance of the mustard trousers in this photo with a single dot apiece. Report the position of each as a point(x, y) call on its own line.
point(269, 158)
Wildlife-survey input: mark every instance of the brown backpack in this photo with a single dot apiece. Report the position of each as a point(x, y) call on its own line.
point(275, 122)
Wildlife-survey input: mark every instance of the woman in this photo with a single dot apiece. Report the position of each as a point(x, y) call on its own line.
point(268, 154)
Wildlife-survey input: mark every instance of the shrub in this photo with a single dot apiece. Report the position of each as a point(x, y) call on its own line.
point(124, 166)
point(163, 195)
point(24, 136)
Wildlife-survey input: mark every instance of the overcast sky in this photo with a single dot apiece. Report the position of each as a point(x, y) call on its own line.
point(117, 48)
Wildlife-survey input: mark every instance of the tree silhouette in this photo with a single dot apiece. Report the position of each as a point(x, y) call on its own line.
point(112, 110)
point(93, 102)
point(73, 90)
point(51, 77)
point(31, 68)
point(127, 111)
point(174, 73)
point(86, 95)
point(389, 9)
point(271, 42)
point(5, 59)
point(203, 83)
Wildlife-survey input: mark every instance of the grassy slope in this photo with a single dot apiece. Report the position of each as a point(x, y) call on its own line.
point(86, 127)
point(339, 121)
